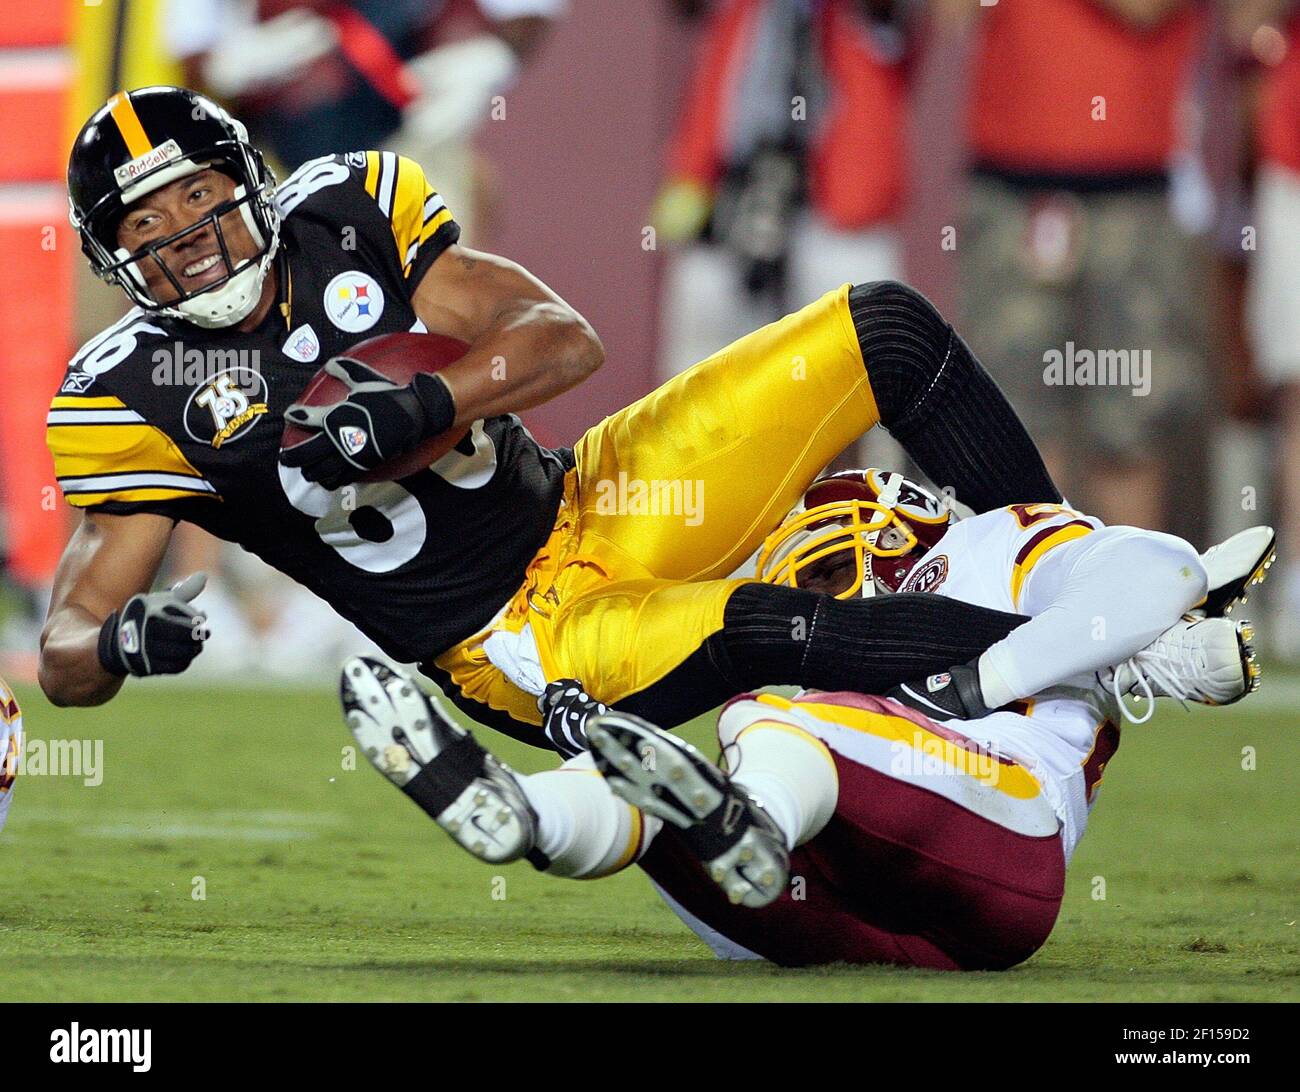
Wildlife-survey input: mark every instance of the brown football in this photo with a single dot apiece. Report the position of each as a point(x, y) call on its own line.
point(397, 357)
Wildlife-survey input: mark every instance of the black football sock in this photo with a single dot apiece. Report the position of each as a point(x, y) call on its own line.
point(937, 401)
point(773, 635)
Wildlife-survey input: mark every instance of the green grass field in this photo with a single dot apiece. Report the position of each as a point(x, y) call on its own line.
point(322, 883)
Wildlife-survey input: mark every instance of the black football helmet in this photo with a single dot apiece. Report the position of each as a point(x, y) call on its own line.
point(142, 140)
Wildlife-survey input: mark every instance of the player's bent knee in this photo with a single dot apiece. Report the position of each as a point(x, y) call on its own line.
point(1173, 570)
point(906, 343)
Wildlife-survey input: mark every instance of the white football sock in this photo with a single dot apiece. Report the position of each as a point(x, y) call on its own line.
point(790, 771)
point(582, 826)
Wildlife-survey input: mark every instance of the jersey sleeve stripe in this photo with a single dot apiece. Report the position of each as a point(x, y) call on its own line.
point(431, 228)
point(432, 224)
point(98, 483)
point(387, 183)
point(83, 401)
point(415, 211)
point(372, 173)
point(1033, 550)
point(410, 201)
point(94, 462)
point(93, 417)
point(129, 496)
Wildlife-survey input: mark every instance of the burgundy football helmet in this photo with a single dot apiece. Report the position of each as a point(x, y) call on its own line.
point(857, 532)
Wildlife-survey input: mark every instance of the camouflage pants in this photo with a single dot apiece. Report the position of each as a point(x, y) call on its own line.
point(1090, 311)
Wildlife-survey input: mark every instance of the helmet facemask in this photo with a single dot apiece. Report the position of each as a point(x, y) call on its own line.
point(230, 298)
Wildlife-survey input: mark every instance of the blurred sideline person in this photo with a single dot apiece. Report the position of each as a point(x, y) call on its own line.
point(314, 77)
point(1078, 285)
point(1274, 289)
point(927, 828)
point(786, 173)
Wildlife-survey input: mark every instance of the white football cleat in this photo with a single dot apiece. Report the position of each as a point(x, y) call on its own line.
point(1234, 567)
point(1207, 660)
point(741, 848)
point(420, 749)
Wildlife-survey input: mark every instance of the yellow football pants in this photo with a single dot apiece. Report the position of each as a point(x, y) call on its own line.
point(668, 498)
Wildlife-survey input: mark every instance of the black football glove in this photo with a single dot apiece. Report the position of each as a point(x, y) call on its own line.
point(565, 707)
point(156, 633)
point(954, 694)
point(377, 421)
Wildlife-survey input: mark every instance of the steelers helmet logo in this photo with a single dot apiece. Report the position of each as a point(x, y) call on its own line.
point(354, 301)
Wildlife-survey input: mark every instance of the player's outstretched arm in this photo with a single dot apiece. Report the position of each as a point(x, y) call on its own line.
point(526, 344)
point(108, 561)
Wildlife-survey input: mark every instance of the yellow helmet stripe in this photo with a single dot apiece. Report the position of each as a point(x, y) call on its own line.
point(128, 124)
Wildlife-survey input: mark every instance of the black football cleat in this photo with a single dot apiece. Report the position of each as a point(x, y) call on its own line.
point(726, 828)
point(1235, 566)
point(420, 749)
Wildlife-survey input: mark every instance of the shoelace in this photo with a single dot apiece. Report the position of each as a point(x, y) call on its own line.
point(1159, 666)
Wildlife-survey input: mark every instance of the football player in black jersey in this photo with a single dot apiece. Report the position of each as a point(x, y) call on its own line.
point(504, 566)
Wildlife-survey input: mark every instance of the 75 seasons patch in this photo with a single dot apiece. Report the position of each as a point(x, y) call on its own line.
point(226, 407)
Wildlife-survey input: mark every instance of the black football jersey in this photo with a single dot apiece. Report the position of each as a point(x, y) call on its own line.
point(158, 415)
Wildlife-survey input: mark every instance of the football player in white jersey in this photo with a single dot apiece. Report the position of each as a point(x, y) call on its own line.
point(930, 827)
point(11, 744)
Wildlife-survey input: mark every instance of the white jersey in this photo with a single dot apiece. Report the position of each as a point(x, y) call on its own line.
point(11, 741)
point(1066, 735)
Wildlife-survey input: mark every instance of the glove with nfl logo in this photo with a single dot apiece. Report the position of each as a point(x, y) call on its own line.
point(156, 633)
point(377, 421)
point(565, 707)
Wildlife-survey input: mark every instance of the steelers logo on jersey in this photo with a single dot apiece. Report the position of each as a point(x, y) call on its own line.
point(226, 406)
point(354, 301)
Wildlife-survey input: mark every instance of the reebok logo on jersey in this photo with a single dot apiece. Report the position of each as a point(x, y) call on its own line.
point(353, 439)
